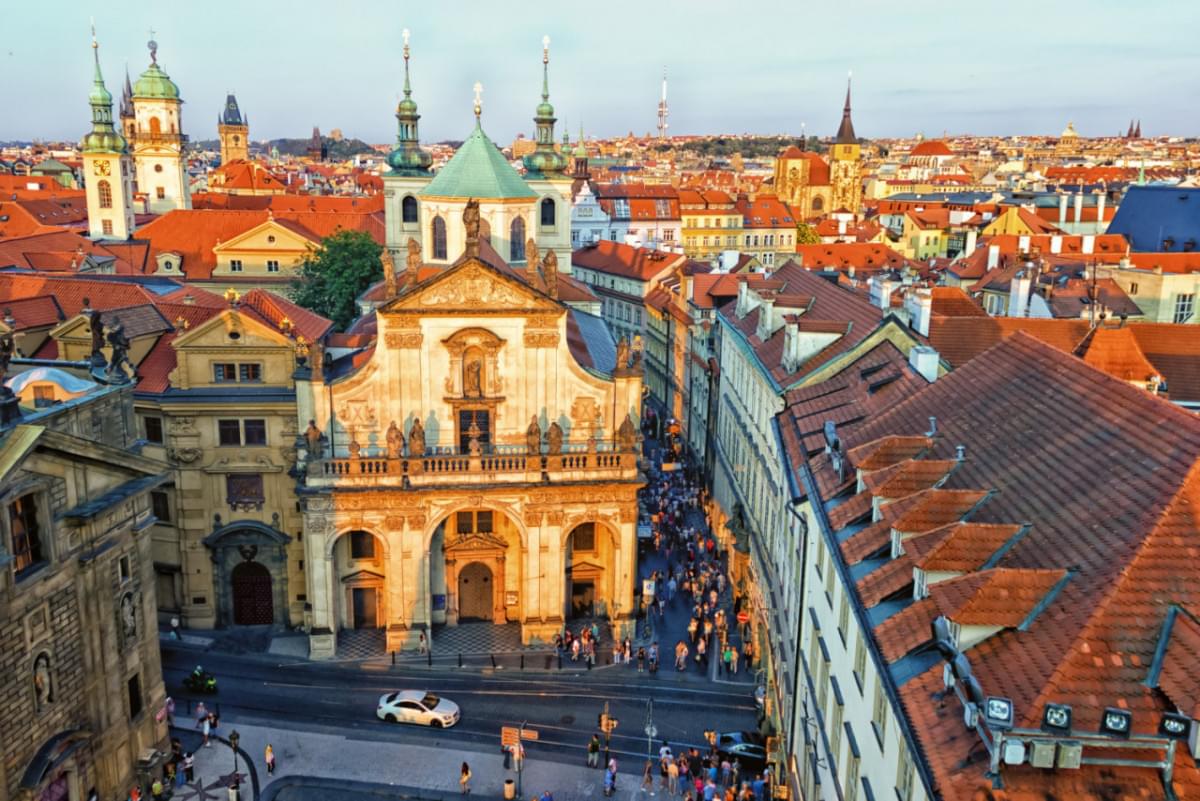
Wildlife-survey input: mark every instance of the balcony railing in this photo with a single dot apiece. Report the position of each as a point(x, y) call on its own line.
point(448, 469)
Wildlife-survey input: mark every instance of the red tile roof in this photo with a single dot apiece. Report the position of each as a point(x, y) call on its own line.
point(624, 260)
point(69, 291)
point(818, 169)
point(1179, 678)
point(952, 301)
point(55, 249)
point(41, 311)
point(765, 211)
point(1125, 534)
point(862, 256)
point(931, 147)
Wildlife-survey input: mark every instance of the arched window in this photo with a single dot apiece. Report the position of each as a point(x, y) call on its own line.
point(408, 209)
point(104, 192)
point(818, 203)
point(439, 238)
point(516, 240)
point(548, 212)
point(155, 125)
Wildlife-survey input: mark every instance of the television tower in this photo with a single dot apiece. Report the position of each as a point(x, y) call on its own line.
point(662, 108)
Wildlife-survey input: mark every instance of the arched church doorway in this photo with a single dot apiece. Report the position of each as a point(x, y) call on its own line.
point(253, 603)
point(589, 550)
point(475, 592)
point(359, 565)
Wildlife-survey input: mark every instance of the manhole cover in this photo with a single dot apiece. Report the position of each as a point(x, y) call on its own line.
point(567, 720)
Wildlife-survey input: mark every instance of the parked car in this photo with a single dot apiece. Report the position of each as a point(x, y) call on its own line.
point(416, 706)
point(748, 747)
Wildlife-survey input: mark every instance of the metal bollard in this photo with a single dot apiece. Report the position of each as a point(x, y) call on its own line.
point(549, 661)
point(560, 661)
point(460, 658)
point(393, 658)
point(493, 658)
point(522, 661)
point(429, 657)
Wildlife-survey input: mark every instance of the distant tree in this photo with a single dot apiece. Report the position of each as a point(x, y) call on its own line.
point(333, 275)
point(806, 234)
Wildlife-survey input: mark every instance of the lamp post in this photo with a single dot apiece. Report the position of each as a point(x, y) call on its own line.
point(234, 737)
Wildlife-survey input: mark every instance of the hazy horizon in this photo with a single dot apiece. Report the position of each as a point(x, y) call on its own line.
point(1021, 68)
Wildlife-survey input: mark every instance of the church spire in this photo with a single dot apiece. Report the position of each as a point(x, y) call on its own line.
point(408, 155)
point(545, 159)
point(845, 134)
point(103, 137)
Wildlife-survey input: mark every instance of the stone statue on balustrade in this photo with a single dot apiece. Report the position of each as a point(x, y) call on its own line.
point(395, 441)
point(627, 436)
point(416, 439)
point(314, 440)
point(554, 439)
point(533, 437)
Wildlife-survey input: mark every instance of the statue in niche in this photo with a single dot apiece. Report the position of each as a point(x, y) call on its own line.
point(42, 682)
point(473, 377)
point(395, 441)
point(312, 438)
point(531, 253)
point(554, 439)
point(96, 326)
point(533, 437)
point(627, 436)
point(128, 616)
point(416, 439)
point(471, 224)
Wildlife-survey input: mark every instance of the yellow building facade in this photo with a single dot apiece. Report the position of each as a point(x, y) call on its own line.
point(711, 223)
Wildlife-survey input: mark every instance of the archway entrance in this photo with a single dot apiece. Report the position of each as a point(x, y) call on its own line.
point(588, 552)
point(475, 592)
point(253, 603)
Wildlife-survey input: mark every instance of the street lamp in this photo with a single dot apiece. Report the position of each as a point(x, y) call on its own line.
point(234, 737)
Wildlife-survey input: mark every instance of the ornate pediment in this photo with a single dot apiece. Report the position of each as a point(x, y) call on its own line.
point(473, 286)
point(474, 543)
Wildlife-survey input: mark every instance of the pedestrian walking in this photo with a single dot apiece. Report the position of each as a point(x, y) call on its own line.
point(673, 778)
point(464, 779)
point(593, 752)
point(641, 658)
point(422, 644)
point(170, 707)
point(733, 659)
point(189, 766)
point(206, 729)
point(269, 758)
point(648, 777)
point(201, 714)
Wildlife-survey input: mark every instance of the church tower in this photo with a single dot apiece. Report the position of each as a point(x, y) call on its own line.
point(107, 169)
point(845, 165)
point(546, 174)
point(158, 141)
point(409, 174)
point(234, 132)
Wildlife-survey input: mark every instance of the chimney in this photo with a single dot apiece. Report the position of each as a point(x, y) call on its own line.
point(1018, 291)
point(1101, 202)
point(1056, 243)
point(791, 346)
point(993, 259)
point(924, 360)
point(972, 240)
point(881, 292)
point(919, 305)
point(766, 319)
point(1023, 243)
point(1079, 207)
point(1062, 209)
point(1089, 243)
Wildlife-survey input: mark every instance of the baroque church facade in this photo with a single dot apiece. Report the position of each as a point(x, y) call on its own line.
point(480, 462)
point(814, 187)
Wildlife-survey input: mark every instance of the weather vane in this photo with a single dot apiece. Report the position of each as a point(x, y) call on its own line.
point(404, 34)
point(478, 99)
point(153, 45)
point(545, 49)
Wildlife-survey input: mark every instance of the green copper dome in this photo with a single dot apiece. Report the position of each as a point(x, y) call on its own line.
point(478, 170)
point(100, 96)
point(408, 158)
point(545, 160)
point(155, 84)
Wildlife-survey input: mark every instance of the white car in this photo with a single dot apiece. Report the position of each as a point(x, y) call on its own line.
point(414, 706)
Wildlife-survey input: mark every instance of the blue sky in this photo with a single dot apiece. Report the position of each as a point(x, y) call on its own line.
point(1021, 66)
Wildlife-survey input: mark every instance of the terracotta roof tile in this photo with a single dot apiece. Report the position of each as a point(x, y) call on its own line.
point(909, 477)
point(41, 311)
point(887, 451)
point(959, 547)
point(1179, 678)
point(624, 260)
point(885, 581)
point(938, 507)
point(951, 301)
point(850, 511)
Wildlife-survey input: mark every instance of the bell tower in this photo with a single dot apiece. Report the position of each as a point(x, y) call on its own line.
point(159, 139)
point(107, 168)
point(234, 132)
point(845, 165)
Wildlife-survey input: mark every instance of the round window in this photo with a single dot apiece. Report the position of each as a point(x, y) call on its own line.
point(271, 238)
point(234, 335)
point(158, 168)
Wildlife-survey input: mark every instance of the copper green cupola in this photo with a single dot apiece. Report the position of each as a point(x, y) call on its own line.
point(103, 138)
point(545, 160)
point(408, 158)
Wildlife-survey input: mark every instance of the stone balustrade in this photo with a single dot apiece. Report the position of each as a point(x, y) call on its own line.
point(434, 470)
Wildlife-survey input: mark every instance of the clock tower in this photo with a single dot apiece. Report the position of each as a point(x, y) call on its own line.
point(107, 168)
point(845, 164)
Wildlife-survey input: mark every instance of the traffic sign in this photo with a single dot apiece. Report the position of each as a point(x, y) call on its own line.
point(743, 617)
point(651, 730)
point(529, 734)
point(509, 735)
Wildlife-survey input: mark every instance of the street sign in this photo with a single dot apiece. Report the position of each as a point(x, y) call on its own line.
point(648, 587)
point(529, 734)
point(509, 735)
point(743, 617)
point(651, 730)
